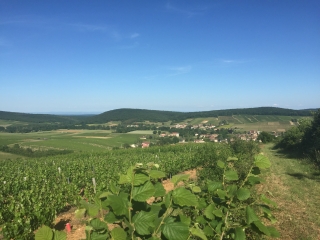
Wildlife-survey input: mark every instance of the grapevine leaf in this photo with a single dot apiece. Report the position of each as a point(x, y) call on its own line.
point(218, 213)
point(262, 228)
point(262, 161)
point(198, 232)
point(118, 234)
point(239, 234)
point(243, 194)
point(113, 188)
point(267, 200)
point(213, 186)
point(98, 236)
point(221, 193)
point(184, 219)
point(208, 212)
point(176, 231)
point(110, 217)
point(273, 232)
point(232, 190)
point(254, 180)
point(44, 233)
point(208, 231)
point(184, 197)
point(231, 175)
point(144, 192)
point(251, 215)
point(92, 209)
point(119, 204)
point(220, 164)
point(60, 235)
point(140, 178)
point(177, 178)
point(143, 221)
point(159, 190)
point(98, 225)
point(156, 174)
point(104, 195)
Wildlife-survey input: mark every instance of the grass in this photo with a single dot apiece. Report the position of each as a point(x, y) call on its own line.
point(294, 184)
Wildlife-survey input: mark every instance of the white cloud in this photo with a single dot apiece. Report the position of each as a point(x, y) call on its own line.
point(89, 27)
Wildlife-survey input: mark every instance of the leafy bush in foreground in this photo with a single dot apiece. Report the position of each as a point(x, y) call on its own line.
point(140, 208)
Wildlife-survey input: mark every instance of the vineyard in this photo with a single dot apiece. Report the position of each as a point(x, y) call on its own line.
point(34, 191)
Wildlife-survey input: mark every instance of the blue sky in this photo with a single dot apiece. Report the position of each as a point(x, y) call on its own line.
point(95, 56)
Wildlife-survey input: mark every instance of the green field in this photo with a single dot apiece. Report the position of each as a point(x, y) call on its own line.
point(103, 140)
point(76, 140)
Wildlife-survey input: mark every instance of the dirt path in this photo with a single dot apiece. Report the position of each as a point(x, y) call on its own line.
point(297, 197)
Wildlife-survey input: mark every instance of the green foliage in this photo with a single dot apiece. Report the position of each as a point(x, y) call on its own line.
point(304, 138)
point(46, 233)
point(218, 210)
point(265, 137)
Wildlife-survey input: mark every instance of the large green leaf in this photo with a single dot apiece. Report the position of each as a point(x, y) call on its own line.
point(144, 192)
point(119, 204)
point(92, 209)
point(243, 194)
point(140, 178)
point(262, 228)
point(181, 177)
point(98, 236)
point(44, 233)
point(267, 200)
point(98, 225)
point(118, 234)
point(156, 174)
point(110, 217)
point(262, 161)
point(220, 164)
point(208, 212)
point(231, 175)
point(176, 231)
point(159, 190)
point(60, 235)
point(251, 215)
point(184, 197)
point(213, 186)
point(143, 221)
point(208, 231)
point(198, 232)
point(127, 178)
point(273, 232)
point(239, 234)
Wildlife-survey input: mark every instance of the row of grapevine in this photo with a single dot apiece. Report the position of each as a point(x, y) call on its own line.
point(34, 191)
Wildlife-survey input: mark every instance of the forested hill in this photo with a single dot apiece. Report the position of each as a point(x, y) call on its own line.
point(139, 115)
point(37, 118)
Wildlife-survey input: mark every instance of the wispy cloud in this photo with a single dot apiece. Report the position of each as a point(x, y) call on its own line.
point(188, 12)
point(179, 70)
point(89, 27)
point(134, 35)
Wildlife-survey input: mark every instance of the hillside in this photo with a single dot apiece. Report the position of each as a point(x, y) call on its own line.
point(37, 118)
point(138, 115)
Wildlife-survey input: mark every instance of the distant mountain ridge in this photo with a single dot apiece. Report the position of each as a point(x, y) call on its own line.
point(139, 115)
